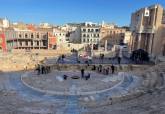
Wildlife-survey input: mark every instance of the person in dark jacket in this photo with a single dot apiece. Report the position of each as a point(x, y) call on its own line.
point(82, 73)
point(112, 68)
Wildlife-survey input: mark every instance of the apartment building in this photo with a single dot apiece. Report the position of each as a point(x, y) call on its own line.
point(27, 39)
point(148, 26)
point(4, 23)
point(112, 34)
point(24, 39)
point(61, 36)
point(90, 33)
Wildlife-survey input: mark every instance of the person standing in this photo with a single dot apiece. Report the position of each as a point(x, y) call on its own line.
point(39, 69)
point(94, 67)
point(107, 71)
point(112, 68)
point(102, 58)
point(82, 73)
point(119, 60)
point(100, 68)
point(42, 69)
point(62, 57)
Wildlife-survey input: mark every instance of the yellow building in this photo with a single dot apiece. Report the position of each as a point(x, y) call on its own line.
point(115, 35)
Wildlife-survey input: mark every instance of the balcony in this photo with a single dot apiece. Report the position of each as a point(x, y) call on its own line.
point(148, 29)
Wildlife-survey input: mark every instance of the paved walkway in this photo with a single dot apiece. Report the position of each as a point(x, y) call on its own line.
point(72, 59)
point(69, 104)
point(54, 82)
point(16, 98)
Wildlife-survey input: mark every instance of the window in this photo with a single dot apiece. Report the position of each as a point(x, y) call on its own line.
point(26, 35)
point(88, 30)
point(84, 35)
point(26, 43)
point(37, 43)
point(88, 40)
point(44, 43)
point(44, 36)
point(92, 30)
point(96, 30)
point(84, 30)
point(20, 43)
point(83, 40)
point(98, 35)
point(32, 36)
point(88, 35)
point(38, 36)
point(20, 35)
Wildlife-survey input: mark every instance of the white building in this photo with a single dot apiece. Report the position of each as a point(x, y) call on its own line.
point(4, 23)
point(45, 25)
point(73, 32)
point(90, 33)
point(61, 37)
point(108, 25)
point(69, 27)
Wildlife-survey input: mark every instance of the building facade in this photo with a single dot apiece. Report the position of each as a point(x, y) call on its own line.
point(147, 26)
point(27, 39)
point(61, 36)
point(112, 34)
point(4, 23)
point(90, 33)
point(128, 39)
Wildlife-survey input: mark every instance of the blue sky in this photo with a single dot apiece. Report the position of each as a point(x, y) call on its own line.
point(64, 11)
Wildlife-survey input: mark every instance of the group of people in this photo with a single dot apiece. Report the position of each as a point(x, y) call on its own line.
point(41, 69)
point(99, 69)
point(61, 58)
point(104, 70)
point(139, 56)
point(83, 76)
point(102, 58)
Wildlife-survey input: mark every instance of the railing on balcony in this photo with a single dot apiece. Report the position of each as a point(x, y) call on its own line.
point(147, 29)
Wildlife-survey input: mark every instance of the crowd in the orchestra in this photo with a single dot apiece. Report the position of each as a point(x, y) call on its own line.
point(43, 69)
point(105, 70)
